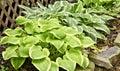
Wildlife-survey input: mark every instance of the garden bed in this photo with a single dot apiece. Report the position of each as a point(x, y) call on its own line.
point(10, 13)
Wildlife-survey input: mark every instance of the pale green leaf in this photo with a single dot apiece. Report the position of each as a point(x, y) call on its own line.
point(56, 42)
point(36, 52)
point(70, 31)
point(23, 51)
point(87, 41)
point(42, 64)
point(16, 32)
point(29, 27)
point(72, 41)
point(42, 37)
point(10, 52)
point(10, 39)
point(63, 48)
point(58, 33)
point(85, 62)
point(20, 20)
point(86, 2)
point(75, 55)
point(30, 40)
point(53, 23)
point(17, 62)
point(66, 64)
point(54, 66)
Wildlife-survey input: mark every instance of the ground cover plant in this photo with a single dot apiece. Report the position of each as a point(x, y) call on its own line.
point(49, 44)
point(57, 36)
point(82, 16)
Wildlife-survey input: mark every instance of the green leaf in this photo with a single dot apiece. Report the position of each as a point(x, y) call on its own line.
point(66, 64)
point(106, 17)
point(42, 64)
point(17, 62)
point(75, 55)
point(70, 31)
point(102, 27)
point(85, 62)
point(16, 32)
point(91, 30)
point(97, 19)
point(72, 22)
point(29, 27)
point(30, 40)
point(63, 48)
point(56, 42)
point(53, 23)
point(77, 7)
point(54, 66)
point(23, 51)
point(72, 41)
point(87, 41)
point(36, 52)
point(10, 52)
point(42, 37)
point(20, 20)
point(86, 2)
point(10, 39)
point(58, 33)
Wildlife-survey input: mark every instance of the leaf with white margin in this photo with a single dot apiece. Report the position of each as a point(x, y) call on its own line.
point(56, 42)
point(66, 64)
point(87, 41)
point(72, 41)
point(54, 66)
point(75, 55)
point(36, 52)
point(10, 52)
point(17, 62)
point(42, 64)
point(16, 32)
point(85, 62)
point(10, 39)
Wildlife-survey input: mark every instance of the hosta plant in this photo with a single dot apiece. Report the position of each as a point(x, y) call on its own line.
point(81, 16)
point(47, 43)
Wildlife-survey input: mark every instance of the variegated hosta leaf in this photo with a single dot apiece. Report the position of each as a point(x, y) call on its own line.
point(56, 42)
point(85, 62)
point(17, 62)
point(16, 32)
point(54, 66)
point(36, 52)
point(10, 39)
point(66, 64)
point(70, 31)
point(58, 33)
point(42, 64)
point(20, 20)
point(30, 40)
point(91, 30)
point(63, 48)
point(53, 23)
point(72, 41)
point(29, 27)
point(87, 42)
point(42, 37)
point(23, 51)
point(10, 52)
point(75, 55)
point(102, 27)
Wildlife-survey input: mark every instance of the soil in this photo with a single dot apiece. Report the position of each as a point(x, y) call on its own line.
point(114, 26)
